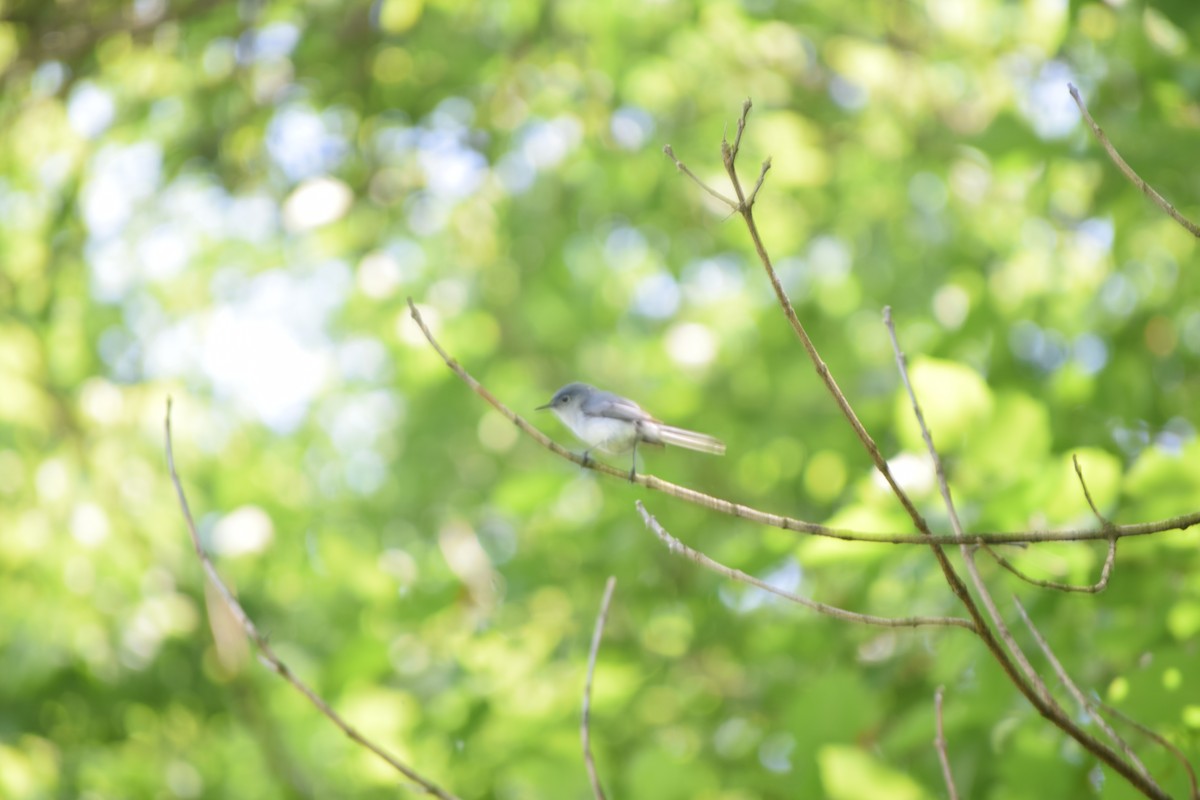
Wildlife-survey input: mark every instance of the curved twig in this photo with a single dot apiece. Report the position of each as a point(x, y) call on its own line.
point(679, 165)
point(266, 654)
point(1093, 588)
point(679, 548)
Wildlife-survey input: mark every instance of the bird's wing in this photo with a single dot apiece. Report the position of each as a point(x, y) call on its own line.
point(613, 406)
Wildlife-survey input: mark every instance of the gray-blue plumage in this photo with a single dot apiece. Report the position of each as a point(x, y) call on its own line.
point(614, 424)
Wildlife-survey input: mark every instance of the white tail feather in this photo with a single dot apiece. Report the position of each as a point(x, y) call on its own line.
point(681, 437)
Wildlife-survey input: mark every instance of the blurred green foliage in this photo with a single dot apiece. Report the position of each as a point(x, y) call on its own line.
point(229, 202)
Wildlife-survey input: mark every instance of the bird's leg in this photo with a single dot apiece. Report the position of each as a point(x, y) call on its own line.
point(633, 462)
point(587, 458)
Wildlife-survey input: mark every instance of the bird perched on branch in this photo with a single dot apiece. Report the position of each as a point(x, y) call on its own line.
point(613, 424)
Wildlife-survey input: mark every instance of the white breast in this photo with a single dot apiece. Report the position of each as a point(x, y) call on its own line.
point(608, 435)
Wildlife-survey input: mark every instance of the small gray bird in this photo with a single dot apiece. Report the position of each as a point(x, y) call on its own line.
point(613, 424)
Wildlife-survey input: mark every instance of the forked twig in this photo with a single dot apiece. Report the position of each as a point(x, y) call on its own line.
point(585, 722)
point(745, 208)
point(956, 584)
point(679, 548)
point(266, 654)
point(1133, 177)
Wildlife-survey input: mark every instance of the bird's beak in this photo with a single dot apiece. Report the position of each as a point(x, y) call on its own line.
point(543, 408)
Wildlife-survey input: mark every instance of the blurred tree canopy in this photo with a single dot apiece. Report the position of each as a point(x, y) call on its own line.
point(229, 202)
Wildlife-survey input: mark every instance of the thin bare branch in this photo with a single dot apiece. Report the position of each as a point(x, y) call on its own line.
point(1035, 686)
point(1079, 696)
point(585, 722)
point(939, 744)
point(939, 470)
point(741, 128)
point(1165, 743)
point(1133, 177)
point(1087, 495)
point(266, 654)
point(746, 209)
point(679, 548)
point(679, 165)
point(762, 176)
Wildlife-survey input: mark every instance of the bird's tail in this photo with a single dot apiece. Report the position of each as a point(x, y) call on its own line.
point(680, 437)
